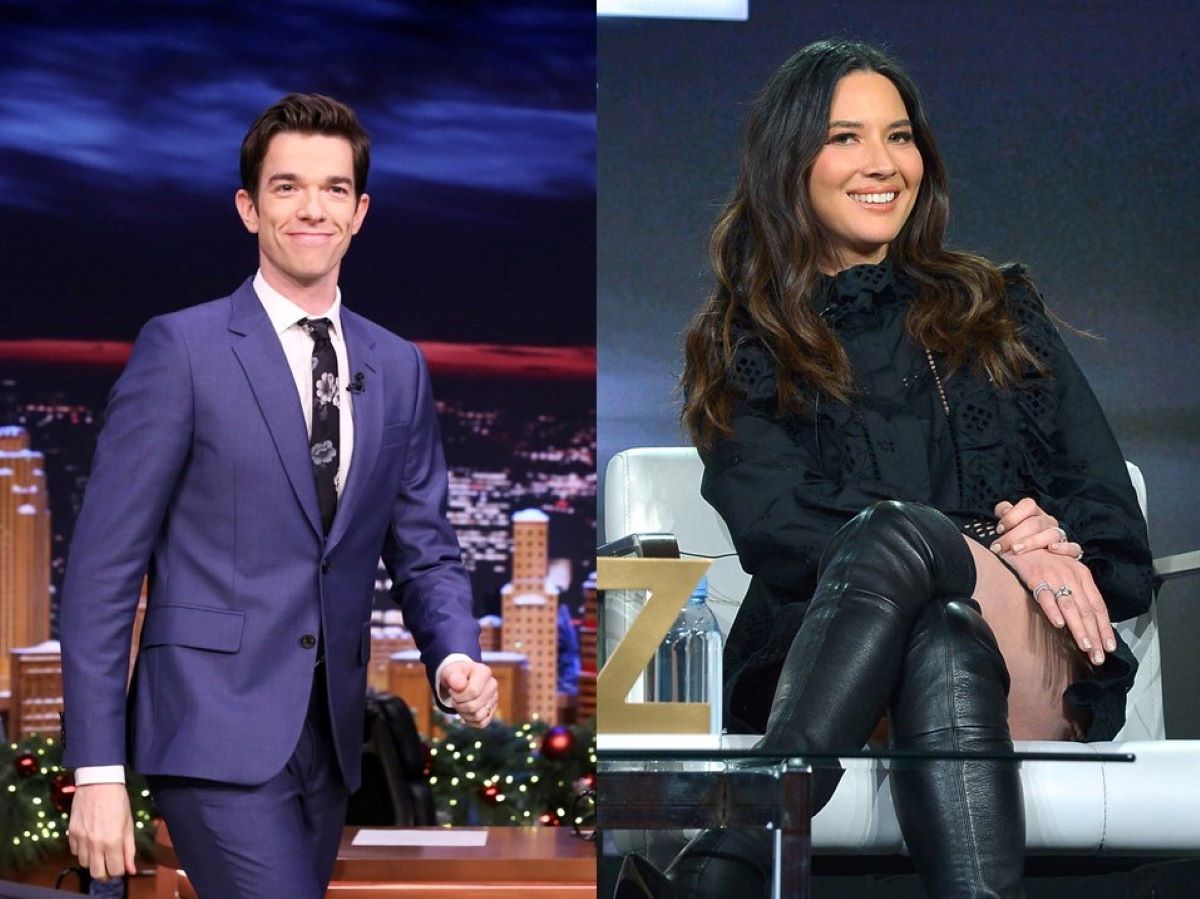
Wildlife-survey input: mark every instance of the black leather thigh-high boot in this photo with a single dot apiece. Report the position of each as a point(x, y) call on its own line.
point(963, 821)
point(879, 571)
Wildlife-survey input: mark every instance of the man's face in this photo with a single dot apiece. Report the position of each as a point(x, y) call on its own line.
point(306, 211)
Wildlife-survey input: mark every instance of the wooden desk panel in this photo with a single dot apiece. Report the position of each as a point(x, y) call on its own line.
point(517, 862)
point(513, 854)
point(453, 890)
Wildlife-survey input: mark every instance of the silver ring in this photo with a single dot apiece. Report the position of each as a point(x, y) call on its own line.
point(1064, 533)
point(1063, 591)
point(1040, 587)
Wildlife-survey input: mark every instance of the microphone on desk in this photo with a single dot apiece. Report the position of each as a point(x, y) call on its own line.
point(357, 384)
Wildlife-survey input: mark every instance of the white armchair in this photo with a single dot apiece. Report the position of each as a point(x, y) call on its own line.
point(1149, 807)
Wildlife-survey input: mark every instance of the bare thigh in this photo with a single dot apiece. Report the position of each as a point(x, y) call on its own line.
point(1041, 659)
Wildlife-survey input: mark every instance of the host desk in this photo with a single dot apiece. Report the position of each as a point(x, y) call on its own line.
point(515, 863)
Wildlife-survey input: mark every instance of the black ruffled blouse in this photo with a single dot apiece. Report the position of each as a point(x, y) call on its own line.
point(785, 485)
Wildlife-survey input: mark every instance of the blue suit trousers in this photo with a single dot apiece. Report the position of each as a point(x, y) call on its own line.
point(279, 838)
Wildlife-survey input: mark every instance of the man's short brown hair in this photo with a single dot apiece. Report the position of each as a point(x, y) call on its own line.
point(304, 114)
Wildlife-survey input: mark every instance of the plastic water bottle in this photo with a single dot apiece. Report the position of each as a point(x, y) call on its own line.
point(687, 666)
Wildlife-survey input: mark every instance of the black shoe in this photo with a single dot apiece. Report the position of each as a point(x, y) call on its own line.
point(641, 880)
point(725, 864)
point(878, 572)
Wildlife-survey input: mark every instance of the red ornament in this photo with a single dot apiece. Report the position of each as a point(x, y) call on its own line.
point(586, 782)
point(549, 819)
point(62, 791)
point(558, 742)
point(26, 764)
point(490, 794)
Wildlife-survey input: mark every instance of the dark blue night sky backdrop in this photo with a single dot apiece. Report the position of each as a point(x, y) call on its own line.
point(120, 125)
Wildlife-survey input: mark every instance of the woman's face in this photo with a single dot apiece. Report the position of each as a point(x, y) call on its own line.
point(864, 182)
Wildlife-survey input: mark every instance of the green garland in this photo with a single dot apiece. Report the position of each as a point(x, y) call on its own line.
point(505, 774)
point(35, 792)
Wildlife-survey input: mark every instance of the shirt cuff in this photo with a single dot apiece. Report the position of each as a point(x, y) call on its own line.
point(443, 696)
point(99, 774)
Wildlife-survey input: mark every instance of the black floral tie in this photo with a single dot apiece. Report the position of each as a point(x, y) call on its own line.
point(323, 438)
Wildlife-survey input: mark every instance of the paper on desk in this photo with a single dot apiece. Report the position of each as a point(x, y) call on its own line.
point(428, 836)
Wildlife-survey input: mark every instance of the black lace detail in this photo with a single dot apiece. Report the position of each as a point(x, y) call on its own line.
point(982, 530)
point(1006, 440)
point(752, 371)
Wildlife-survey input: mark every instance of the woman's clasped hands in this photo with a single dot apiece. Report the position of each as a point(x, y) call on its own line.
point(1033, 543)
point(1024, 526)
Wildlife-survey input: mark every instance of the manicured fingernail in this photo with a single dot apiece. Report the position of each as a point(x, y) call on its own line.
point(999, 529)
point(1097, 658)
point(996, 547)
point(1056, 546)
point(1017, 547)
point(1111, 645)
point(1086, 644)
point(1058, 622)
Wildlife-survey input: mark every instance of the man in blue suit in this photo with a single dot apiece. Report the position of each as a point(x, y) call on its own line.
point(260, 453)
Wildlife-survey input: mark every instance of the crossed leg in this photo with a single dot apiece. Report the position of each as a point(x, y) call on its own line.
point(1042, 660)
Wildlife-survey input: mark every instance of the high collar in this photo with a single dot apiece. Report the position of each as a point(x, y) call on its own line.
point(861, 289)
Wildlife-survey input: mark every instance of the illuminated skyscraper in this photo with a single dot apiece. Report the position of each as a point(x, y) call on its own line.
point(24, 548)
point(530, 612)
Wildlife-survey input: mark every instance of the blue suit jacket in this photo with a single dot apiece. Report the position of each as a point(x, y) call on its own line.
point(202, 477)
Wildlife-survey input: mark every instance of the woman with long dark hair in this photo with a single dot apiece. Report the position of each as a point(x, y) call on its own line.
point(938, 521)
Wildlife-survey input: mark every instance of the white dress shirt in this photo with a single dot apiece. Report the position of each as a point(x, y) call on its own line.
point(297, 347)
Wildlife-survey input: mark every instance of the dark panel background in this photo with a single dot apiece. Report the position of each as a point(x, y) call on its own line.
point(1070, 132)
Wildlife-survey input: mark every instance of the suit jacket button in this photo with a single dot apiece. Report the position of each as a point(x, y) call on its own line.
point(308, 641)
point(325, 566)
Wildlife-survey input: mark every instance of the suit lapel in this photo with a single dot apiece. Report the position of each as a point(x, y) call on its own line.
point(257, 348)
point(368, 421)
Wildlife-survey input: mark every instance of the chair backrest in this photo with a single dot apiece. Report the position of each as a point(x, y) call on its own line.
point(1144, 706)
point(657, 490)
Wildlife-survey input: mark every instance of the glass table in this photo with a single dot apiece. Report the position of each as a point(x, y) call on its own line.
point(643, 789)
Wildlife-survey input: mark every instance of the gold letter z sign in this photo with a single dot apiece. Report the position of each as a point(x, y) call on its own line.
point(670, 583)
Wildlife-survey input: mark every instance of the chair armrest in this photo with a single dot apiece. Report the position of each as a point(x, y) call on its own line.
point(1170, 567)
point(646, 546)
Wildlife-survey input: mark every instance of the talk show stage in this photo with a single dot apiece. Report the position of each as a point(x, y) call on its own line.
point(511, 863)
point(479, 249)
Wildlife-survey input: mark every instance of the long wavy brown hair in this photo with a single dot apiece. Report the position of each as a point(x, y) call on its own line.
point(768, 248)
